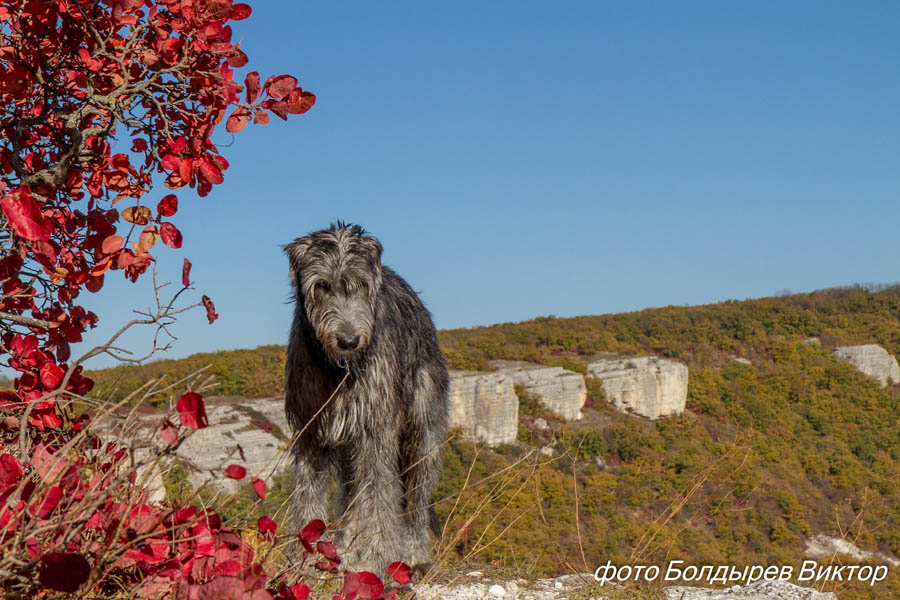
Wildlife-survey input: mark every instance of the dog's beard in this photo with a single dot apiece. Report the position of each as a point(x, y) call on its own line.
point(329, 326)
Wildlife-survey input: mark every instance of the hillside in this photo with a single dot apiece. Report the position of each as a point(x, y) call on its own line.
point(767, 455)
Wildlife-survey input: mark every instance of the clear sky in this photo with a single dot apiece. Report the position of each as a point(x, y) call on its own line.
point(522, 158)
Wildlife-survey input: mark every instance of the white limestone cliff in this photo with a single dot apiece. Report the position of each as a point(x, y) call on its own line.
point(873, 360)
point(560, 391)
point(484, 406)
point(646, 385)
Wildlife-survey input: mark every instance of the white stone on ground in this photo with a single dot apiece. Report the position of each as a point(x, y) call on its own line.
point(761, 590)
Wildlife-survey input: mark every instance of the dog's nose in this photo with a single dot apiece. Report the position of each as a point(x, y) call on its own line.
point(348, 343)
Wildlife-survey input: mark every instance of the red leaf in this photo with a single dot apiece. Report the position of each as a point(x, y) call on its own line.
point(168, 206)
point(328, 550)
point(33, 547)
point(24, 214)
point(186, 169)
point(170, 162)
point(210, 171)
point(237, 59)
point(313, 531)
point(260, 117)
point(280, 86)
point(251, 82)
point(170, 235)
point(240, 12)
point(186, 273)
point(112, 243)
point(10, 472)
point(329, 567)
point(94, 284)
point(299, 102)
point(49, 502)
point(266, 525)
point(49, 466)
point(51, 375)
point(220, 587)
point(183, 515)
point(260, 487)
point(211, 313)
point(9, 400)
point(64, 571)
point(191, 411)
point(124, 259)
point(235, 471)
point(280, 108)
point(400, 571)
point(228, 567)
point(300, 591)
point(237, 121)
point(365, 585)
point(168, 431)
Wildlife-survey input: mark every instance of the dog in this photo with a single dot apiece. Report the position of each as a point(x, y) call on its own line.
point(366, 391)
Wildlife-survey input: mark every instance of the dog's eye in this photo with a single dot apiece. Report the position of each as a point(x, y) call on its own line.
point(322, 286)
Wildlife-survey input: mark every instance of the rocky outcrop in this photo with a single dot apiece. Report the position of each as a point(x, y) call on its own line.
point(258, 426)
point(484, 406)
point(648, 386)
point(823, 546)
point(741, 359)
point(560, 391)
point(873, 360)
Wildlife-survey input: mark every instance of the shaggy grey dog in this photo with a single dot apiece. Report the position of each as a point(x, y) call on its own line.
point(382, 431)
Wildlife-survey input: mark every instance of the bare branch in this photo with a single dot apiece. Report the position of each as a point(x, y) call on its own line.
point(5, 316)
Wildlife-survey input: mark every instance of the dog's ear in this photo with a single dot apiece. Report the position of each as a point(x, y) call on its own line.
point(372, 247)
point(295, 251)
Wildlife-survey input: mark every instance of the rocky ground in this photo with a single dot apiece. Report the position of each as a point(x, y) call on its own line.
point(474, 586)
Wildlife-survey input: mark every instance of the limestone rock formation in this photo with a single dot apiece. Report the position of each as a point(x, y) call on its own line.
point(873, 360)
point(823, 546)
point(259, 426)
point(485, 406)
point(741, 359)
point(560, 391)
point(646, 385)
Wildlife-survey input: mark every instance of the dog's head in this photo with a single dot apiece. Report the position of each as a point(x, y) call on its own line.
point(337, 276)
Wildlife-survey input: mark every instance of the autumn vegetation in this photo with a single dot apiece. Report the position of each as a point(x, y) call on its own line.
point(766, 456)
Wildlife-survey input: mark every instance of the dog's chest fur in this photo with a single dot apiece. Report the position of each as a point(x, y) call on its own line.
point(356, 408)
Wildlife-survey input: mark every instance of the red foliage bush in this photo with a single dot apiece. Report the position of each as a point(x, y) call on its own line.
point(98, 99)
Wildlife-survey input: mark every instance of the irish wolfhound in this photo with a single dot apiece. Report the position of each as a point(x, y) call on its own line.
point(381, 432)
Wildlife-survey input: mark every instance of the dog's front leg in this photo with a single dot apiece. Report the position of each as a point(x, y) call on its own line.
point(372, 529)
point(312, 472)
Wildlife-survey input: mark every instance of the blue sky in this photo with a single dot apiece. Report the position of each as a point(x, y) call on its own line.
point(522, 158)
